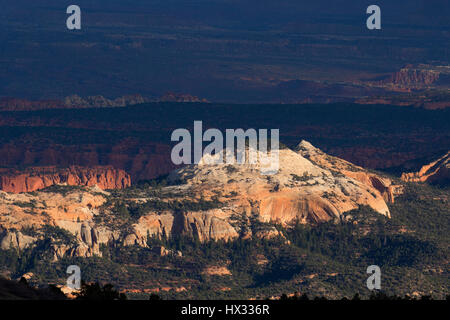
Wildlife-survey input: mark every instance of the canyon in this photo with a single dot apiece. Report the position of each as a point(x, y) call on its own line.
point(136, 139)
point(87, 178)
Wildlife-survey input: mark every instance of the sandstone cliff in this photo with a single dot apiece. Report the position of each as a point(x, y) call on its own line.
point(310, 187)
point(301, 190)
point(25, 219)
point(435, 172)
point(36, 178)
point(412, 77)
point(383, 185)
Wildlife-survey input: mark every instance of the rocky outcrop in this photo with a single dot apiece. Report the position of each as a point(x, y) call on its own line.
point(303, 190)
point(309, 187)
point(437, 172)
point(217, 271)
point(419, 76)
point(163, 251)
point(72, 212)
point(203, 225)
point(15, 240)
point(73, 101)
point(414, 77)
point(76, 101)
point(382, 184)
point(180, 97)
point(36, 178)
point(18, 104)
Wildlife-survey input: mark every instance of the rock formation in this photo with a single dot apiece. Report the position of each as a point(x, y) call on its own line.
point(73, 101)
point(419, 76)
point(310, 187)
point(414, 77)
point(36, 178)
point(98, 101)
point(18, 104)
point(15, 239)
point(435, 172)
point(301, 190)
point(179, 97)
point(24, 216)
point(383, 185)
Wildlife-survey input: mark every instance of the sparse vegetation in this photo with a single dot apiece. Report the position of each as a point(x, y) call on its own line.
point(305, 177)
point(327, 260)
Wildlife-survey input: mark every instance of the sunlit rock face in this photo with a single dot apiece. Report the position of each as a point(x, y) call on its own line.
point(36, 178)
point(435, 172)
point(309, 187)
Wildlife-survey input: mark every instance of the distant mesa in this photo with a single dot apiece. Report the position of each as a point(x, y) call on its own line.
point(98, 101)
point(179, 97)
point(421, 85)
point(75, 101)
point(70, 102)
point(416, 77)
point(19, 104)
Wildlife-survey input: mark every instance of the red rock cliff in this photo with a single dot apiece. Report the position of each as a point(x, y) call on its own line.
point(35, 178)
point(436, 172)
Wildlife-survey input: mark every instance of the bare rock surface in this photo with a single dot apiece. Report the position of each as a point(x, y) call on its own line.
point(309, 187)
point(435, 172)
point(36, 178)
